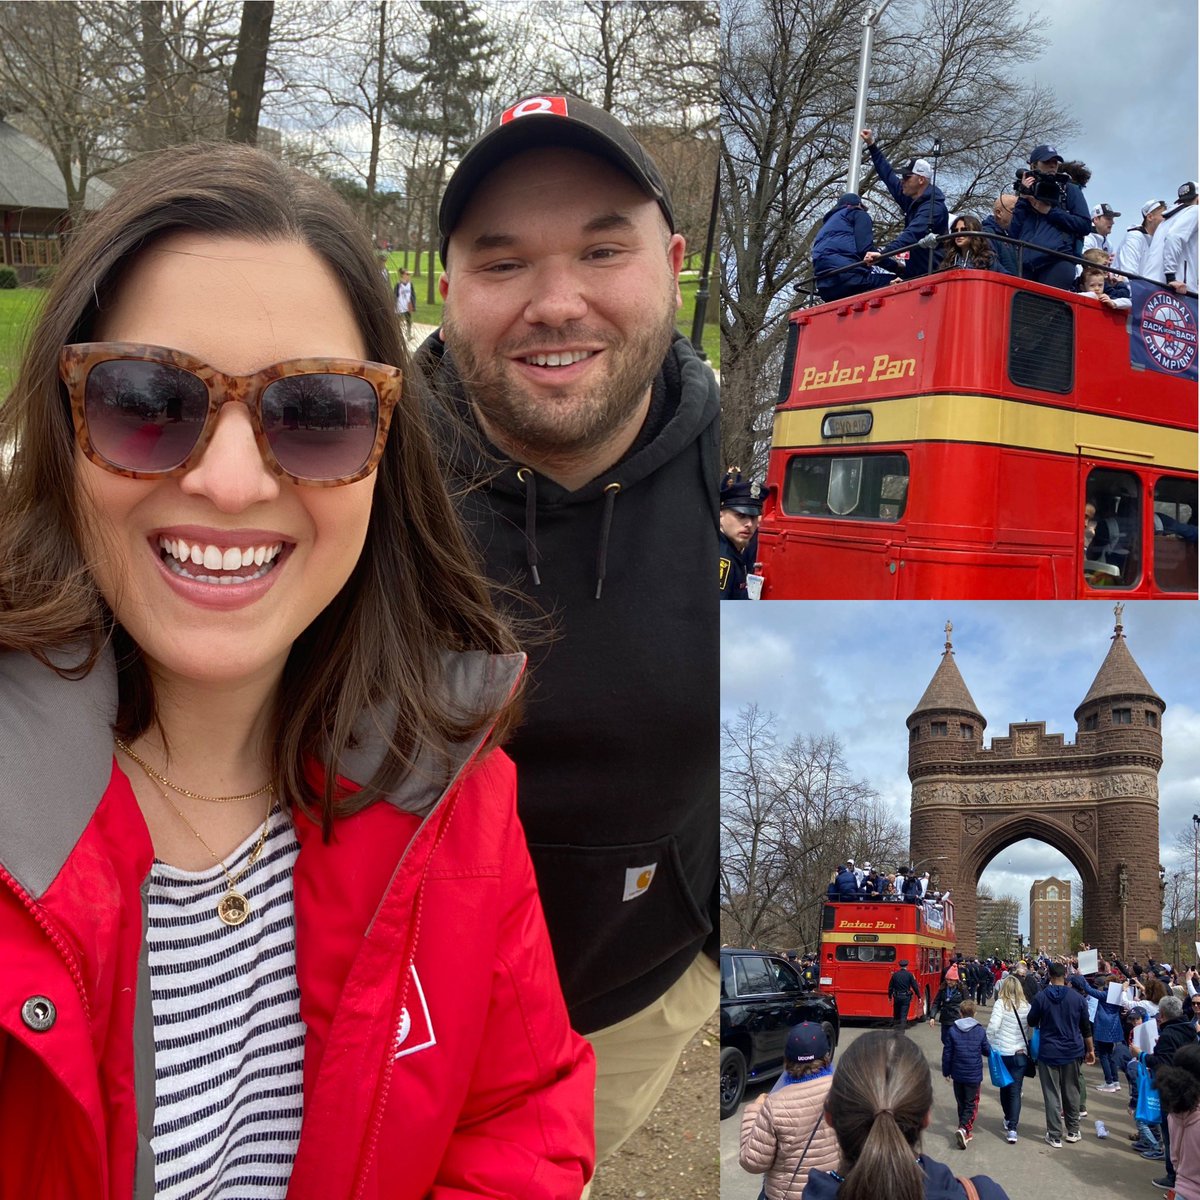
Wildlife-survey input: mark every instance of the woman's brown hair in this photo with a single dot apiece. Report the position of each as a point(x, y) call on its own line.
point(979, 250)
point(878, 1103)
point(377, 651)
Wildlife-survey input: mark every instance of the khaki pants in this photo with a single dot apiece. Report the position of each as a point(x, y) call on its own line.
point(636, 1057)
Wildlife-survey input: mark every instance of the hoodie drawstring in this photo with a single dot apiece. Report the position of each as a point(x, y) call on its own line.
point(527, 477)
point(610, 499)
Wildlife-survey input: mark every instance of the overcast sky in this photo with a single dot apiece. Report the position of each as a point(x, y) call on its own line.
point(857, 669)
point(1127, 73)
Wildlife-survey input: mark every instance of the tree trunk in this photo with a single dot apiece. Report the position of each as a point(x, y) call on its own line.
point(249, 71)
point(154, 73)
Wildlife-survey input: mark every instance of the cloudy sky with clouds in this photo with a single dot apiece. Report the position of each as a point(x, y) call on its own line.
point(1127, 73)
point(857, 669)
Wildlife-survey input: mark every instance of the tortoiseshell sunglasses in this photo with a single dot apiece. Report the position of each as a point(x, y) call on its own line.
point(147, 412)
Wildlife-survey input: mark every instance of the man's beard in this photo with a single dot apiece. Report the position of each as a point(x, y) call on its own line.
point(570, 422)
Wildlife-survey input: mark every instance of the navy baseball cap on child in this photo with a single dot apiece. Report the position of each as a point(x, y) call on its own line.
point(806, 1043)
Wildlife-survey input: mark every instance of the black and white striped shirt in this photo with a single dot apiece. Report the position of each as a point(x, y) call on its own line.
point(228, 1039)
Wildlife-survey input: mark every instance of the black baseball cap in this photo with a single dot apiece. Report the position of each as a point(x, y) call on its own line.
point(550, 120)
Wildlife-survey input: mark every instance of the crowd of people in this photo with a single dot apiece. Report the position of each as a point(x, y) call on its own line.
point(1048, 1021)
point(1046, 211)
point(852, 882)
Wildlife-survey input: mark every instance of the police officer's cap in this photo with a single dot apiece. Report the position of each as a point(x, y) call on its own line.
point(741, 495)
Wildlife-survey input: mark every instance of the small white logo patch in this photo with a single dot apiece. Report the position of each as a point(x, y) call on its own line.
point(415, 1029)
point(637, 880)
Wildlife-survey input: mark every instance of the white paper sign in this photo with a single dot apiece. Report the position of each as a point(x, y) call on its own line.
point(1198, 952)
point(1089, 961)
point(1145, 1035)
point(1115, 993)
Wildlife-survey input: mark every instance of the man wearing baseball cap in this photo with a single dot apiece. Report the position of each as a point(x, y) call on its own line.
point(741, 510)
point(591, 439)
point(1102, 223)
point(1172, 254)
point(923, 207)
point(1051, 214)
point(1132, 251)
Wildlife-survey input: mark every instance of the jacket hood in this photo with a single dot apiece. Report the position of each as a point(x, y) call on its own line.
point(40, 709)
point(1054, 993)
point(682, 371)
point(965, 1023)
point(941, 1183)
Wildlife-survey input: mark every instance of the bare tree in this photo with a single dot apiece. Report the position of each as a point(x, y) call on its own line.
point(249, 71)
point(789, 814)
point(944, 69)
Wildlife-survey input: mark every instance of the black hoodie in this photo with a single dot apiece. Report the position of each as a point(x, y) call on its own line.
point(617, 756)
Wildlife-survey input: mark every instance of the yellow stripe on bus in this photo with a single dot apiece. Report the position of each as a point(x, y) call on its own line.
point(994, 420)
point(886, 939)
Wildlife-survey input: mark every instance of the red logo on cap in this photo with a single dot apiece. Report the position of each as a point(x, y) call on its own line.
point(555, 105)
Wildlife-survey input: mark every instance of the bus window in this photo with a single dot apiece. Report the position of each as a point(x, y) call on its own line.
point(1175, 534)
point(871, 487)
point(1112, 533)
point(1041, 343)
point(866, 954)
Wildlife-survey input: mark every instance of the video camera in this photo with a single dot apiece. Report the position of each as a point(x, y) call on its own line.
point(1049, 189)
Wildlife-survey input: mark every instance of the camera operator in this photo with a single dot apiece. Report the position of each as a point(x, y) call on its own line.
point(1050, 213)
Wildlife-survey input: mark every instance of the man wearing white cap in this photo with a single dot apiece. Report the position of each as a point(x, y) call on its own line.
point(1102, 223)
point(1171, 258)
point(1132, 251)
point(924, 209)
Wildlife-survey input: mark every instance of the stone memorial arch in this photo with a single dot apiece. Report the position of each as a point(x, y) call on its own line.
point(1095, 799)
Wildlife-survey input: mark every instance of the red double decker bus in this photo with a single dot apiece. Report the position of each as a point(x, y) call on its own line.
point(974, 435)
point(864, 941)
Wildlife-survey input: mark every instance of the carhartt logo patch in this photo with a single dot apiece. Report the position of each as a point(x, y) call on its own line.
point(637, 880)
point(555, 105)
point(415, 1030)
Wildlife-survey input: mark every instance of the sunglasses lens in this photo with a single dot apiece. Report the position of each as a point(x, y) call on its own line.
point(320, 426)
point(144, 416)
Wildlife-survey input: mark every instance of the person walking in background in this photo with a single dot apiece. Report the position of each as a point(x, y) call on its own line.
point(784, 1133)
point(947, 1004)
point(880, 1100)
point(1060, 1014)
point(1008, 1033)
point(902, 986)
point(406, 301)
point(963, 1053)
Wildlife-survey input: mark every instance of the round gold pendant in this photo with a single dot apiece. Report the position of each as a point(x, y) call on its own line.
point(234, 908)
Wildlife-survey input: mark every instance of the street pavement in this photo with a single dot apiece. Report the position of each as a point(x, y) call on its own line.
point(1105, 1168)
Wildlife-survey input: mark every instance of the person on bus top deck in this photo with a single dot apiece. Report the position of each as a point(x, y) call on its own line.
point(924, 209)
point(1057, 223)
point(1102, 223)
point(1132, 251)
point(741, 511)
point(1172, 256)
point(246, 797)
point(880, 1101)
point(845, 236)
point(965, 251)
point(998, 221)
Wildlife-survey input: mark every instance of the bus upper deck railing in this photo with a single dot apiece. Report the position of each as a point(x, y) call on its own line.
point(930, 242)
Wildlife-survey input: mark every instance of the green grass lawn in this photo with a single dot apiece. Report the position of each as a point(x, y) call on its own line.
point(18, 309)
point(431, 313)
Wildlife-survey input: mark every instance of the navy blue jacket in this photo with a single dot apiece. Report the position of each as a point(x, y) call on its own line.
point(733, 569)
point(940, 1184)
point(1061, 229)
point(844, 237)
point(1061, 1014)
point(964, 1051)
point(1005, 253)
point(1107, 1025)
point(846, 885)
point(921, 214)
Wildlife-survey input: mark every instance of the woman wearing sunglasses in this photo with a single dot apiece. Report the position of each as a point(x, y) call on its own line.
point(966, 251)
point(267, 920)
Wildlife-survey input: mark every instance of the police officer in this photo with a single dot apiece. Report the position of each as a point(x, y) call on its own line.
point(741, 509)
point(901, 987)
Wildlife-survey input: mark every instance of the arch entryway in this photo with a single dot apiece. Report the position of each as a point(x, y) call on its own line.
point(1095, 800)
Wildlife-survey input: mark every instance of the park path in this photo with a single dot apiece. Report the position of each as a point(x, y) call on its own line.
point(1030, 1168)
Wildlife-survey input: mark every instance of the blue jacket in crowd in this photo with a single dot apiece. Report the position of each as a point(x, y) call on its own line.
point(845, 236)
point(922, 214)
point(940, 1184)
point(1106, 1027)
point(964, 1050)
point(1006, 255)
point(1062, 228)
point(846, 885)
point(1060, 1013)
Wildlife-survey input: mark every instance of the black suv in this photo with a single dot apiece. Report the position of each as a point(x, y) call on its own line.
point(762, 997)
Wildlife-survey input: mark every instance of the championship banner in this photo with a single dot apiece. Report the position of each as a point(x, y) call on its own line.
point(1162, 330)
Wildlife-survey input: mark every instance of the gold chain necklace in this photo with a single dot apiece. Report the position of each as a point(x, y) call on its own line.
point(163, 781)
point(233, 908)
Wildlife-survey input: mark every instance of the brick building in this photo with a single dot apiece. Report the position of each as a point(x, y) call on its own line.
point(1050, 916)
point(1095, 800)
